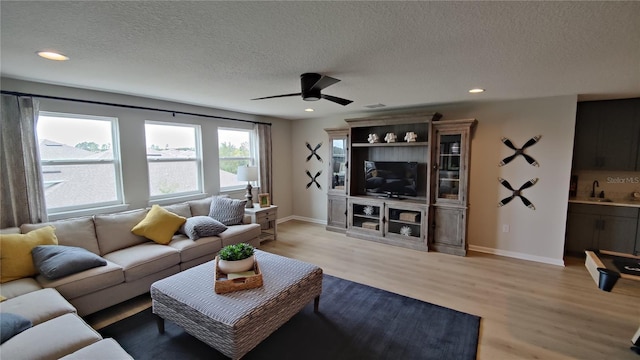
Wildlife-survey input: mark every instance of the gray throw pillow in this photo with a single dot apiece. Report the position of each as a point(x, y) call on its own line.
point(200, 226)
point(12, 325)
point(226, 210)
point(56, 261)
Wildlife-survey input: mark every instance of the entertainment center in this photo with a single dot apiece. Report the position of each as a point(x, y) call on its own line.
point(410, 192)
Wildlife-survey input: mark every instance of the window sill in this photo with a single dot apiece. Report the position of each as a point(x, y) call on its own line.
point(87, 212)
point(177, 199)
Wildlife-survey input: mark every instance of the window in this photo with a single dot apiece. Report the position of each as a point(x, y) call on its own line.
point(235, 148)
point(80, 161)
point(174, 158)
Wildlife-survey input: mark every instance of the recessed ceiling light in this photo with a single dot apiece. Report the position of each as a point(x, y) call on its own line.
point(476, 91)
point(52, 55)
point(309, 110)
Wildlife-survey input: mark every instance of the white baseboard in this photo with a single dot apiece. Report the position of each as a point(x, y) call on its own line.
point(517, 255)
point(302, 218)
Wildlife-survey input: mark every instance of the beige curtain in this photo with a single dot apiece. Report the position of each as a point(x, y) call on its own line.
point(264, 149)
point(21, 187)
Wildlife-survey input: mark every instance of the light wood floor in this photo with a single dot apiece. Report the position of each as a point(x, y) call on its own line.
point(529, 310)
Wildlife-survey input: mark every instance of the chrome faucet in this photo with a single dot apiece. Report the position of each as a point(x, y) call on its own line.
point(593, 188)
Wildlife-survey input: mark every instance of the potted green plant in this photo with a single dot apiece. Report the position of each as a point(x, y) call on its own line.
point(236, 258)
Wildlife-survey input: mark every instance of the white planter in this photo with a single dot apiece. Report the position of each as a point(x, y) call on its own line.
point(237, 265)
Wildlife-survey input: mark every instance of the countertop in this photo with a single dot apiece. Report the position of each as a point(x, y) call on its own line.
point(614, 202)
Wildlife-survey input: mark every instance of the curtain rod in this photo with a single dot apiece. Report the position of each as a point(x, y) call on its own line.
point(15, 93)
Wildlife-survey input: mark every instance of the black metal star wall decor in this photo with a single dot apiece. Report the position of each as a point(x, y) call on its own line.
point(517, 193)
point(313, 179)
point(520, 151)
point(313, 152)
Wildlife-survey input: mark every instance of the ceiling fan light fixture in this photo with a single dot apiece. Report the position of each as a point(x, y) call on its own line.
point(52, 55)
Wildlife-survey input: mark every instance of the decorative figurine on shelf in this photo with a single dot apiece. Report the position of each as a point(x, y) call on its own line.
point(390, 137)
point(410, 136)
point(405, 230)
point(373, 138)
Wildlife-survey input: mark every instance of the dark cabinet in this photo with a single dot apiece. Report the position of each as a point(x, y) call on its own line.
point(637, 251)
point(607, 135)
point(601, 227)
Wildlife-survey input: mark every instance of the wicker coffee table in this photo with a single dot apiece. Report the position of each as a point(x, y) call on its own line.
point(236, 322)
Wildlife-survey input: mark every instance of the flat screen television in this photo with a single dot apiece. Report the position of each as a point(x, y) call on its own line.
point(392, 178)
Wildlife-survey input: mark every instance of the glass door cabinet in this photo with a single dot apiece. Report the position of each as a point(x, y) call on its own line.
point(451, 154)
point(338, 179)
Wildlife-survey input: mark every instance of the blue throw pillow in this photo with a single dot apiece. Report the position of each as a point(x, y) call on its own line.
point(12, 325)
point(56, 261)
point(200, 226)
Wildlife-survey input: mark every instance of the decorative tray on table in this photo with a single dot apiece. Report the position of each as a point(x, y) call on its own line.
point(226, 283)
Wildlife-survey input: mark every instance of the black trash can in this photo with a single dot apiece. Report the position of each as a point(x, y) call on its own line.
point(608, 279)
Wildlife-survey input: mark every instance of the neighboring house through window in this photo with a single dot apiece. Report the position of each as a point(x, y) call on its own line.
point(80, 161)
point(174, 157)
point(236, 147)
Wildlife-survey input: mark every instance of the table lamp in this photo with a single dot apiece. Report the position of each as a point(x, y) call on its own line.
point(248, 174)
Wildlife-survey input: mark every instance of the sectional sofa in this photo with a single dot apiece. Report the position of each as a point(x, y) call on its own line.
point(133, 263)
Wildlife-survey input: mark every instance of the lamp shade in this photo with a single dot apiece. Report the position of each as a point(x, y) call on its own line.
point(247, 173)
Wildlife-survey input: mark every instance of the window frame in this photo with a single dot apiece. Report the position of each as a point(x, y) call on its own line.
point(116, 162)
point(253, 158)
point(154, 199)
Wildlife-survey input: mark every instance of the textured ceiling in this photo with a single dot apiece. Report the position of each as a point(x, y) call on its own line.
point(401, 54)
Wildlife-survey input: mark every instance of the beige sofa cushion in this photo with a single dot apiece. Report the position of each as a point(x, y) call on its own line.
point(190, 249)
point(240, 233)
point(182, 209)
point(86, 282)
point(11, 230)
point(200, 207)
point(78, 232)
point(105, 349)
point(114, 230)
point(144, 259)
point(19, 287)
point(39, 306)
point(51, 340)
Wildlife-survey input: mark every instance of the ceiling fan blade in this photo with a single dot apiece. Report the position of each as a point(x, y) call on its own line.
point(341, 101)
point(323, 82)
point(277, 96)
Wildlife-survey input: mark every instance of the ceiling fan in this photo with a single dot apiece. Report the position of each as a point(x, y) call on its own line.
point(312, 84)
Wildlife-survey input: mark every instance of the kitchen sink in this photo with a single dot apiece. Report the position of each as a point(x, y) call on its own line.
point(599, 199)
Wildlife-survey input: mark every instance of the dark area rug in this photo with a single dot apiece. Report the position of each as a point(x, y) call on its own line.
point(355, 322)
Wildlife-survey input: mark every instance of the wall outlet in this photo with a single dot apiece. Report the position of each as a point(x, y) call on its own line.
point(505, 228)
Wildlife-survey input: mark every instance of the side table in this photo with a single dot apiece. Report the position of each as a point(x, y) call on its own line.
point(266, 217)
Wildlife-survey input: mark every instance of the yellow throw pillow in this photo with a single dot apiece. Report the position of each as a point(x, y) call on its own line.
point(2, 298)
point(159, 225)
point(15, 252)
